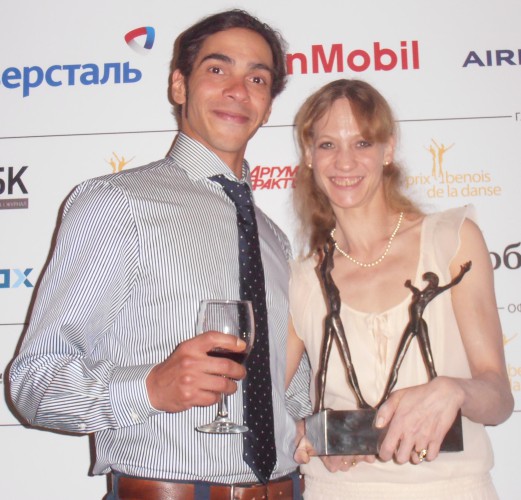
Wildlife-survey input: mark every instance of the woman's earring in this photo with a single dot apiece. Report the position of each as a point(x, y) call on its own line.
point(309, 165)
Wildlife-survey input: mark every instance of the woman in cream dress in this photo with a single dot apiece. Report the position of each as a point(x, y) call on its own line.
point(348, 187)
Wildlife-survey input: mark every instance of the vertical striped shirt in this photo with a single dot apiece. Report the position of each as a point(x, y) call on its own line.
point(135, 253)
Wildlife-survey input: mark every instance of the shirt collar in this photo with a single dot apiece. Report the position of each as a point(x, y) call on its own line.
point(200, 163)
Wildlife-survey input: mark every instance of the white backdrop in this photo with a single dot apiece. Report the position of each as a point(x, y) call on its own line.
point(451, 70)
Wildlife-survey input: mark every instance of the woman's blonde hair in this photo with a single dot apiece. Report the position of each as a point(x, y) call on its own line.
point(375, 119)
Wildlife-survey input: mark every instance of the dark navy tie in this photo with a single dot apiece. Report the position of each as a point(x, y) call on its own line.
point(259, 442)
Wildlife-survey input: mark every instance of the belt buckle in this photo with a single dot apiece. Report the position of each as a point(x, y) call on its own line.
point(234, 488)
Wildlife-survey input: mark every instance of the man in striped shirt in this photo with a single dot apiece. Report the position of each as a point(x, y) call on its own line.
point(111, 347)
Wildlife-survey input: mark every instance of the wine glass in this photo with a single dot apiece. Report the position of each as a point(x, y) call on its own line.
point(233, 317)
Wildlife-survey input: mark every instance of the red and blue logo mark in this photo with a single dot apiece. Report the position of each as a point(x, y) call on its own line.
point(146, 31)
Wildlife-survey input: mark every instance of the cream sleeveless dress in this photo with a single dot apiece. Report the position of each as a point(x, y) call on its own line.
point(373, 341)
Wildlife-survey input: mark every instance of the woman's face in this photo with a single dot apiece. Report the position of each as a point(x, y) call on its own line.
point(347, 167)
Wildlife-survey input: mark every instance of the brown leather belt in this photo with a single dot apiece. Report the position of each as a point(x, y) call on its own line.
point(131, 488)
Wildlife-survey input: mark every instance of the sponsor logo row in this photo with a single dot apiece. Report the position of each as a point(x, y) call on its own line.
point(399, 55)
point(435, 180)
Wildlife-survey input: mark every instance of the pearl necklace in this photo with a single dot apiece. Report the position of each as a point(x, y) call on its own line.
point(382, 257)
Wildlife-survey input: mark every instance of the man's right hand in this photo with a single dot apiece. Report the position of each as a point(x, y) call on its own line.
point(189, 377)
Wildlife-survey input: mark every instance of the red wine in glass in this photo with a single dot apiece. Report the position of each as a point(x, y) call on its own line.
point(233, 317)
point(238, 357)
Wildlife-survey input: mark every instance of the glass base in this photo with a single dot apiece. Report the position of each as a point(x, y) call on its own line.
point(222, 425)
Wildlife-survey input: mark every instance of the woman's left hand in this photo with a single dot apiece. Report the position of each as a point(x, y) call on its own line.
point(418, 419)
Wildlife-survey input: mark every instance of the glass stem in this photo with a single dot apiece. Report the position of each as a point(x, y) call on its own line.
point(222, 409)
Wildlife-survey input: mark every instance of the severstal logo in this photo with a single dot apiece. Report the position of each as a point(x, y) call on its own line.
point(146, 35)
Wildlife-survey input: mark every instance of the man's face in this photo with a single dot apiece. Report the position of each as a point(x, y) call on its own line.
point(228, 94)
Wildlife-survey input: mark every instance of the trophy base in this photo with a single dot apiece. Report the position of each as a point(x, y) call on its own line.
point(352, 432)
point(349, 432)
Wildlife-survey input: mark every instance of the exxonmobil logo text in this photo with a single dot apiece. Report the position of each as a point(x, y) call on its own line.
point(339, 58)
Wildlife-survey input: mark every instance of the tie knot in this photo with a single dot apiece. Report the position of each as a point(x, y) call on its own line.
point(238, 192)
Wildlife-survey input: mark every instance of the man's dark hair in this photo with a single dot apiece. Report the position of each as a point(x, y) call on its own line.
point(189, 43)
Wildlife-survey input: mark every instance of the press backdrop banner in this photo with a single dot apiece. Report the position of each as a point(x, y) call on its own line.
point(83, 93)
